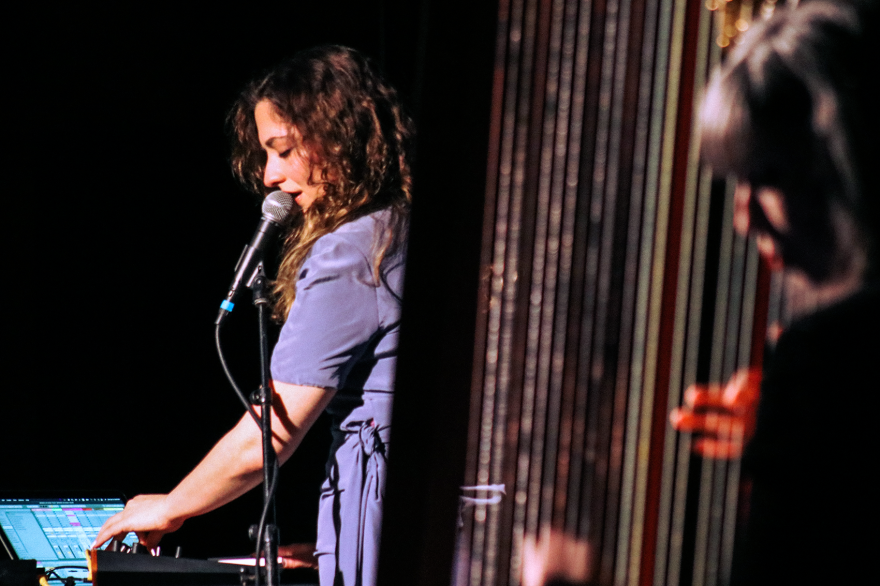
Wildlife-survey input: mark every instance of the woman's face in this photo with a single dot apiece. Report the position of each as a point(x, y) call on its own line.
point(287, 160)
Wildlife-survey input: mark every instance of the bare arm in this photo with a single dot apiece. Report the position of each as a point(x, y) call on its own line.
point(232, 467)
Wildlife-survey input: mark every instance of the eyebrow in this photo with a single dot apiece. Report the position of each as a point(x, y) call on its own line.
point(271, 142)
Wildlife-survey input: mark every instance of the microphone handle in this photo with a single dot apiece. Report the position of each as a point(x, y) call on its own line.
point(249, 261)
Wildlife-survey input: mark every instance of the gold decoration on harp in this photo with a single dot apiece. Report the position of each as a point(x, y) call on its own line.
point(735, 17)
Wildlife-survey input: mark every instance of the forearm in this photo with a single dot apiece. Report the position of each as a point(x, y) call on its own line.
point(235, 464)
point(232, 467)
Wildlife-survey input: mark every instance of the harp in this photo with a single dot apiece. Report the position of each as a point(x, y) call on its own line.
point(612, 280)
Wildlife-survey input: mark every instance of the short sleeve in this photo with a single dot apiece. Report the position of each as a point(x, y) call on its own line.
point(333, 318)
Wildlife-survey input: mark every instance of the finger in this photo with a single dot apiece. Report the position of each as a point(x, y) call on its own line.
point(704, 396)
point(297, 549)
point(107, 532)
point(718, 449)
point(743, 389)
point(290, 563)
point(687, 421)
point(676, 416)
point(150, 538)
point(102, 538)
point(719, 425)
point(298, 555)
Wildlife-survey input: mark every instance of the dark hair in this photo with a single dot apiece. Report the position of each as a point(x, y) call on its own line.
point(795, 107)
point(353, 124)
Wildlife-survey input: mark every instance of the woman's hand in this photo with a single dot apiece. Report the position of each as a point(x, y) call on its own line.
point(722, 417)
point(146, 515)
point(298, 555)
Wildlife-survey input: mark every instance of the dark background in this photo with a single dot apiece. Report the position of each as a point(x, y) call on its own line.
point(122, 225)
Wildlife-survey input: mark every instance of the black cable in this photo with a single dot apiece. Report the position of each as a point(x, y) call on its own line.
point(49, 577)
point(261, 527)
point(259, 423)
point(67, 580)
point(238, 391)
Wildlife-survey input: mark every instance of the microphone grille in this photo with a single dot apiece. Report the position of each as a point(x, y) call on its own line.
point(277, 205)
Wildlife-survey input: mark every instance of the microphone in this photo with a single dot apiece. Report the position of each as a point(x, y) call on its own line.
point(276, 207)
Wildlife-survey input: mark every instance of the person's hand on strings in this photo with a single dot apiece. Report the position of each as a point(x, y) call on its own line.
point(556, 557)
point(722, 418)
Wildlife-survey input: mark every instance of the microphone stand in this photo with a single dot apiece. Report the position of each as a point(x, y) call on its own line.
point(264, 398)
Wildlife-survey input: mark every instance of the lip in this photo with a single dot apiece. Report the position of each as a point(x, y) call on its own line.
point(294, 194)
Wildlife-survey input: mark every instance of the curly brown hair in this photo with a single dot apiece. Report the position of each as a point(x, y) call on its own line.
point(352, 123)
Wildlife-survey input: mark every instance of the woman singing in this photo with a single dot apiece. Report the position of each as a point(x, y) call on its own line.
point(325, 128)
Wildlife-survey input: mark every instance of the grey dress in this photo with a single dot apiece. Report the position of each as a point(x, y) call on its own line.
point(342, 333)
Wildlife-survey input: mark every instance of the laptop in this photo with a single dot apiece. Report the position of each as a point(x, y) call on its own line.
point(56, 529)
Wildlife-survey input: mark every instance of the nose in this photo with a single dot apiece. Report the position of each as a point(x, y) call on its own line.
point(272, 175)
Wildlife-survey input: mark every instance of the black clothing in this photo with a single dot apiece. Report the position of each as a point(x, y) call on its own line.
point(813, 516)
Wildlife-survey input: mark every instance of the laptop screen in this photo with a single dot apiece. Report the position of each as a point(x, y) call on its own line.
point(56, 530)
